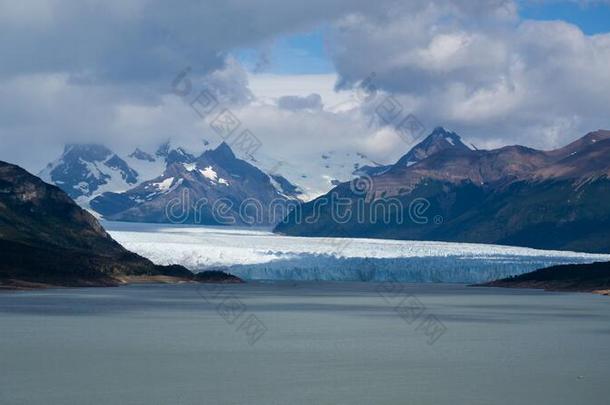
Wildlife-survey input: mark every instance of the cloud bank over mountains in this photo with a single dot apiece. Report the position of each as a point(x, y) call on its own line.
point(102, 71)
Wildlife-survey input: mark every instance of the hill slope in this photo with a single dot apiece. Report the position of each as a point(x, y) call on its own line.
point(46, 238)
point(512, 195)
point(594, 277)
point(216, 188)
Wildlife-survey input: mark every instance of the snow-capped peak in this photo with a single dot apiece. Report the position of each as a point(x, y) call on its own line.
point(85, 170)
point(440, 139)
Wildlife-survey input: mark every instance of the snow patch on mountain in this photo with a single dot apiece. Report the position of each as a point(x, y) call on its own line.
point(320, 175)
point(88, 171)
point(147, 169)
point(210, 173)
point(165, 184)
point(85, 171)
point(190, 166)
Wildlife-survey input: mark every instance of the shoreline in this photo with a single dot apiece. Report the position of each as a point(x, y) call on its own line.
point(21, 285)
point(545, 286)
point(170, 280)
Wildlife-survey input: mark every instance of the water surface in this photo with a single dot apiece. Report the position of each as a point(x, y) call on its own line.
point(316, 343)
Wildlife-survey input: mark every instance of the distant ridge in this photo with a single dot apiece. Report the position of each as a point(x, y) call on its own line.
point(216, 177)
point(512, 195)
point(593, 277)
point(139, 187)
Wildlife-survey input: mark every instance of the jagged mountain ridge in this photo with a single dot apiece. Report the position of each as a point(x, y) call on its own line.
point(511, 195)
point(85, 171)
point(201, 184)
point(88, 172)
point(439, 140)
point(85, 181)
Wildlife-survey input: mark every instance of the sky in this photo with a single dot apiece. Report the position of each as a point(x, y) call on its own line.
point(305, 78)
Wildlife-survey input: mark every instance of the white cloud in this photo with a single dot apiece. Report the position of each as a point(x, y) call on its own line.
point(271, 87)
point(312, 102)
point(101, 71)
point(483, 72)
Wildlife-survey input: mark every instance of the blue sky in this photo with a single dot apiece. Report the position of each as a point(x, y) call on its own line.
point(305, 53)
point(590, 18)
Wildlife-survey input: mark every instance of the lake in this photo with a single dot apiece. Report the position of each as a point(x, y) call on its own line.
point(304, 343)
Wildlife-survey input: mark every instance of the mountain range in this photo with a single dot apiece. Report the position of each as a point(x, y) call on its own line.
point(443, 190)
point(47, 240)
point(172, 186)
point(85, 171)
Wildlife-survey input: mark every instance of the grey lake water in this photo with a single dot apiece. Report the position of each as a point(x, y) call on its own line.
point(304, 343)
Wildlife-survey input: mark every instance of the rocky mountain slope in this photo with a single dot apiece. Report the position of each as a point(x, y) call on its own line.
point(45, 238)
point(85, 171)
point(592, 277)
point(513, 195)
point(140, 186)
point(216, 188)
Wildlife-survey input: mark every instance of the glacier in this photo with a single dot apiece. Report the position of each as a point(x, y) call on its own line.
point(262, 255)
